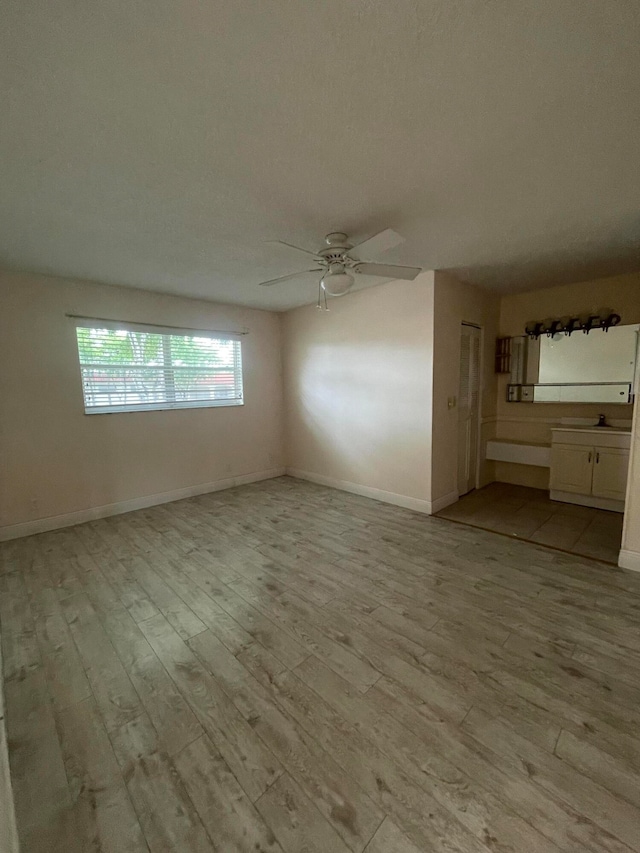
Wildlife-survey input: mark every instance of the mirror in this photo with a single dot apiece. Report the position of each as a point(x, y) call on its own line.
point(598, 367)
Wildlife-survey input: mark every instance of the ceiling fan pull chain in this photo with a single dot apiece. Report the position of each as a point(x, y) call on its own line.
point(322, 294)
point(321, 306)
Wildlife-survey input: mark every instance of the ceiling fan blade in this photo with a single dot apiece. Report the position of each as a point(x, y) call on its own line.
point(291, 246)
point(377, 244)
point(273, 281)
point(388, 271)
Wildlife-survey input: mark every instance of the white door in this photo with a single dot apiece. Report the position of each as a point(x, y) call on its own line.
point(610, 473)
point(571, 468)
point(468, 408)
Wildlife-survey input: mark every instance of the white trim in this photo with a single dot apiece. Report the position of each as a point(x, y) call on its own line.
point(528, 419)
point(587, 500)
point(8, 831)
point(416, 504)
point(54, 522)
point(479, 459)
point(629, 560)
point(444, 501)
point(635, 443)
point(165, 406)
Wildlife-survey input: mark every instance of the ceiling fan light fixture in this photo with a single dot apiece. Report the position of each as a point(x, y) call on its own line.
point(336, 281)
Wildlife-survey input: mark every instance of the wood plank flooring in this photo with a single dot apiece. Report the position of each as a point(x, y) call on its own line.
point(285, 668)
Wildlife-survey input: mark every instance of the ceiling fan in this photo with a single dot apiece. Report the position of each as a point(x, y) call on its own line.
point(338, 261)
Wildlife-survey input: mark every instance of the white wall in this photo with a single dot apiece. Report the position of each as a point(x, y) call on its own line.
point(358, 388)
point(55, 460)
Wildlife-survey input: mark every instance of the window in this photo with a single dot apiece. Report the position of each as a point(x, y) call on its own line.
point(131, 368)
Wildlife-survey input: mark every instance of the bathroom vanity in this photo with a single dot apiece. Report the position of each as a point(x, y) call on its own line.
point(589, 466)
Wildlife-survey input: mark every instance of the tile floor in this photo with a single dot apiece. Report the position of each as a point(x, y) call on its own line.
point(530, 514)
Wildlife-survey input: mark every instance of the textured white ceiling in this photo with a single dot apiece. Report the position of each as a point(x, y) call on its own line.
point(159, 144)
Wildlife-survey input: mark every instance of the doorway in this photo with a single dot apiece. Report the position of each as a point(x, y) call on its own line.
point(468, 407)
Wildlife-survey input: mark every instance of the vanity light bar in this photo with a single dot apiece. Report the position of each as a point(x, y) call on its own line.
point(604, 320)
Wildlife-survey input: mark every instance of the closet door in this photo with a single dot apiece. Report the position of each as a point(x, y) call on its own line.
point(468, 408)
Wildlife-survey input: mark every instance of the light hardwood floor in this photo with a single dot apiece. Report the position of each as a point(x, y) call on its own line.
point(284, 667)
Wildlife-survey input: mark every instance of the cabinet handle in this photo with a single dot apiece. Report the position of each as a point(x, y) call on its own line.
point(597, 457)
point(590, 456)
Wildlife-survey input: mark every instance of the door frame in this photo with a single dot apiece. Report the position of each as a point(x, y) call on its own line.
point(622, 557)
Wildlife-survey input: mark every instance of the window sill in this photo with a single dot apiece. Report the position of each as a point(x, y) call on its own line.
point(162, 407)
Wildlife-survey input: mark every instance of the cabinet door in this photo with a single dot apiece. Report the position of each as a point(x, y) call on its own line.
point(571, 468)
point(610, 473)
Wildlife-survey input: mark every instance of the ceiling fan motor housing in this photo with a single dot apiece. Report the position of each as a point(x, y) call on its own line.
point(337, 238)
point(331, 256)
point(337, 249)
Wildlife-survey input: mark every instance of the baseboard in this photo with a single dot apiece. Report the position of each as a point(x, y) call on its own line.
point(54, 522)
point(366, 491)
point(445, 501)
point(587, 500)
point(629, 560)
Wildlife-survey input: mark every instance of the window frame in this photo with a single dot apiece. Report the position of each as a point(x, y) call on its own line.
point(165, 331)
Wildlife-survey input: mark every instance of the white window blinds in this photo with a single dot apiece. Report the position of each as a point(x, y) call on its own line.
point(128, 368)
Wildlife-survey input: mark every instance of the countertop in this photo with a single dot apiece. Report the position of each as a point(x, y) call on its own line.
point(607, 430)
